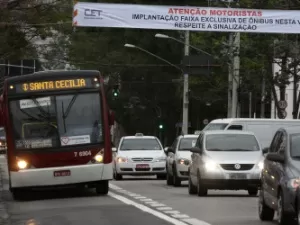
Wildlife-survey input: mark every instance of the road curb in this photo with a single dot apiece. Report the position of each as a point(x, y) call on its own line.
point(4, 216)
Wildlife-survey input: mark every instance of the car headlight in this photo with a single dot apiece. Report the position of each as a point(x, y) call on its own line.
point(294, 183)
point(211, 166)
point(160, 159)
point(183, 162)
point(260, 165)
point(122, 160)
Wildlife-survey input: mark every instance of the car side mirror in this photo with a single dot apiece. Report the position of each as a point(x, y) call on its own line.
point(275, 157)
point(111, 118)
point(265, 150)
point(196, 150)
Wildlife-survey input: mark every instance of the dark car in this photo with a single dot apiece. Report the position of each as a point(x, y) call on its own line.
point(281, 177)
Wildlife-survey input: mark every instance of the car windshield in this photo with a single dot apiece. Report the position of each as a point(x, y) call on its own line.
point(295, 146)
point(186, 144)
point(215, 126)
point(140, 144)
point(231, 142)
point(55, 121)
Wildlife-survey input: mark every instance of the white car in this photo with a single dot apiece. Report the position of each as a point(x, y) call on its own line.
point(226, 160)
point(140, 155)
point(179, 158)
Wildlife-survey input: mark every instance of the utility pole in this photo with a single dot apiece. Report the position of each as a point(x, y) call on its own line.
point(185, 107)
point(250, 104)
point(236, 75)
point(230, 70)
point(262, 105)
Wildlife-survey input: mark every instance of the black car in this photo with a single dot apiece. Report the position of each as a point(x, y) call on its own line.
point(281, 177)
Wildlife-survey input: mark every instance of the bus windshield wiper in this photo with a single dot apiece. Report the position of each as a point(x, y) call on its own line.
point(44, 114)
point(65, 114)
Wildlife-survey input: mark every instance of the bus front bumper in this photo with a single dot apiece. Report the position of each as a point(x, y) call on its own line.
point(66, 175)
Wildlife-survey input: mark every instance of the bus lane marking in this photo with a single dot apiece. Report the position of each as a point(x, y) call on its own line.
point(159, 208)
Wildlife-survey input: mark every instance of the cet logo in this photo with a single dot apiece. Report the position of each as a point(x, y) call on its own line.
point(92, 13)
point(237, 166)
point(25, 87)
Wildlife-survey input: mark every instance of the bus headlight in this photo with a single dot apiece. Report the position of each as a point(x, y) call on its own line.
point(98, 158)
point(22, 164)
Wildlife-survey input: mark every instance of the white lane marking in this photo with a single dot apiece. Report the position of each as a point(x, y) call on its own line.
point(193, 221)
point(147, 209)
point(139, 197)
point(155, 204)
point(164, 208)
point(180, 216)
point(161, 207)
point(146, 200)
point(172, 212)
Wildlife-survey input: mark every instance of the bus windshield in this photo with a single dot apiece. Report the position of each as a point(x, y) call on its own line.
point(56, 121)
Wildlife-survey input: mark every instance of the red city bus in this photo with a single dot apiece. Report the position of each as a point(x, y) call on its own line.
point(57, 125)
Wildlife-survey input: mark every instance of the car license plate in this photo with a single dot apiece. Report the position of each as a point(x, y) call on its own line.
point(238, 176)
point(62, 173)
point(142, 166)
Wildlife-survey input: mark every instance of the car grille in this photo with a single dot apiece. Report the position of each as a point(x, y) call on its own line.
point(142, 159)
point(232, 166)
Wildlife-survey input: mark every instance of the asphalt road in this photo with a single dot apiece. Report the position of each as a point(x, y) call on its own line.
point(133, 201)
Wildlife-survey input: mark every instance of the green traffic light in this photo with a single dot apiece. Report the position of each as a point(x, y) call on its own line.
point(115, 94)
point(161, 126)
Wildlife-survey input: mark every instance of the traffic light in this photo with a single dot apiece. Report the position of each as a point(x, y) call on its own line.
point(115, 91)
point(161, 126)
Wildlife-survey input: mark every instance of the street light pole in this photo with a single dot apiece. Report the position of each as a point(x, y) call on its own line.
point(185, 107)
point(150, 53)
point(236, 75)
point(182, 42)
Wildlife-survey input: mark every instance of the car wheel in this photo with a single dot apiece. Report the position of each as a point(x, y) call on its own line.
point(169, 178)
point(117, 176)
point(192, 187)
point(282, 217)
point(161, 176)
point(265, 212)
point(102, 187)
point(252, 191)
point(201, 189)
point(176, 179)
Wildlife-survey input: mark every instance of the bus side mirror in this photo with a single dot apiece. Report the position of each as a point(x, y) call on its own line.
point(111, 118)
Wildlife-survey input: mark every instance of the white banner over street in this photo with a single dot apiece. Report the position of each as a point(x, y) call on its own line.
point(186, 18)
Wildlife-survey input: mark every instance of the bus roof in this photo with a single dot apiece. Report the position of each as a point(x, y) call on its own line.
point(229, 120)
point(52, 73)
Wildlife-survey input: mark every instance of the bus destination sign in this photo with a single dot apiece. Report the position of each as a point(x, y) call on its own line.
point(54, 85)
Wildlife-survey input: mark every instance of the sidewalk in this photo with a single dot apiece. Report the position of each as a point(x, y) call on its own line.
point(4, 216)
